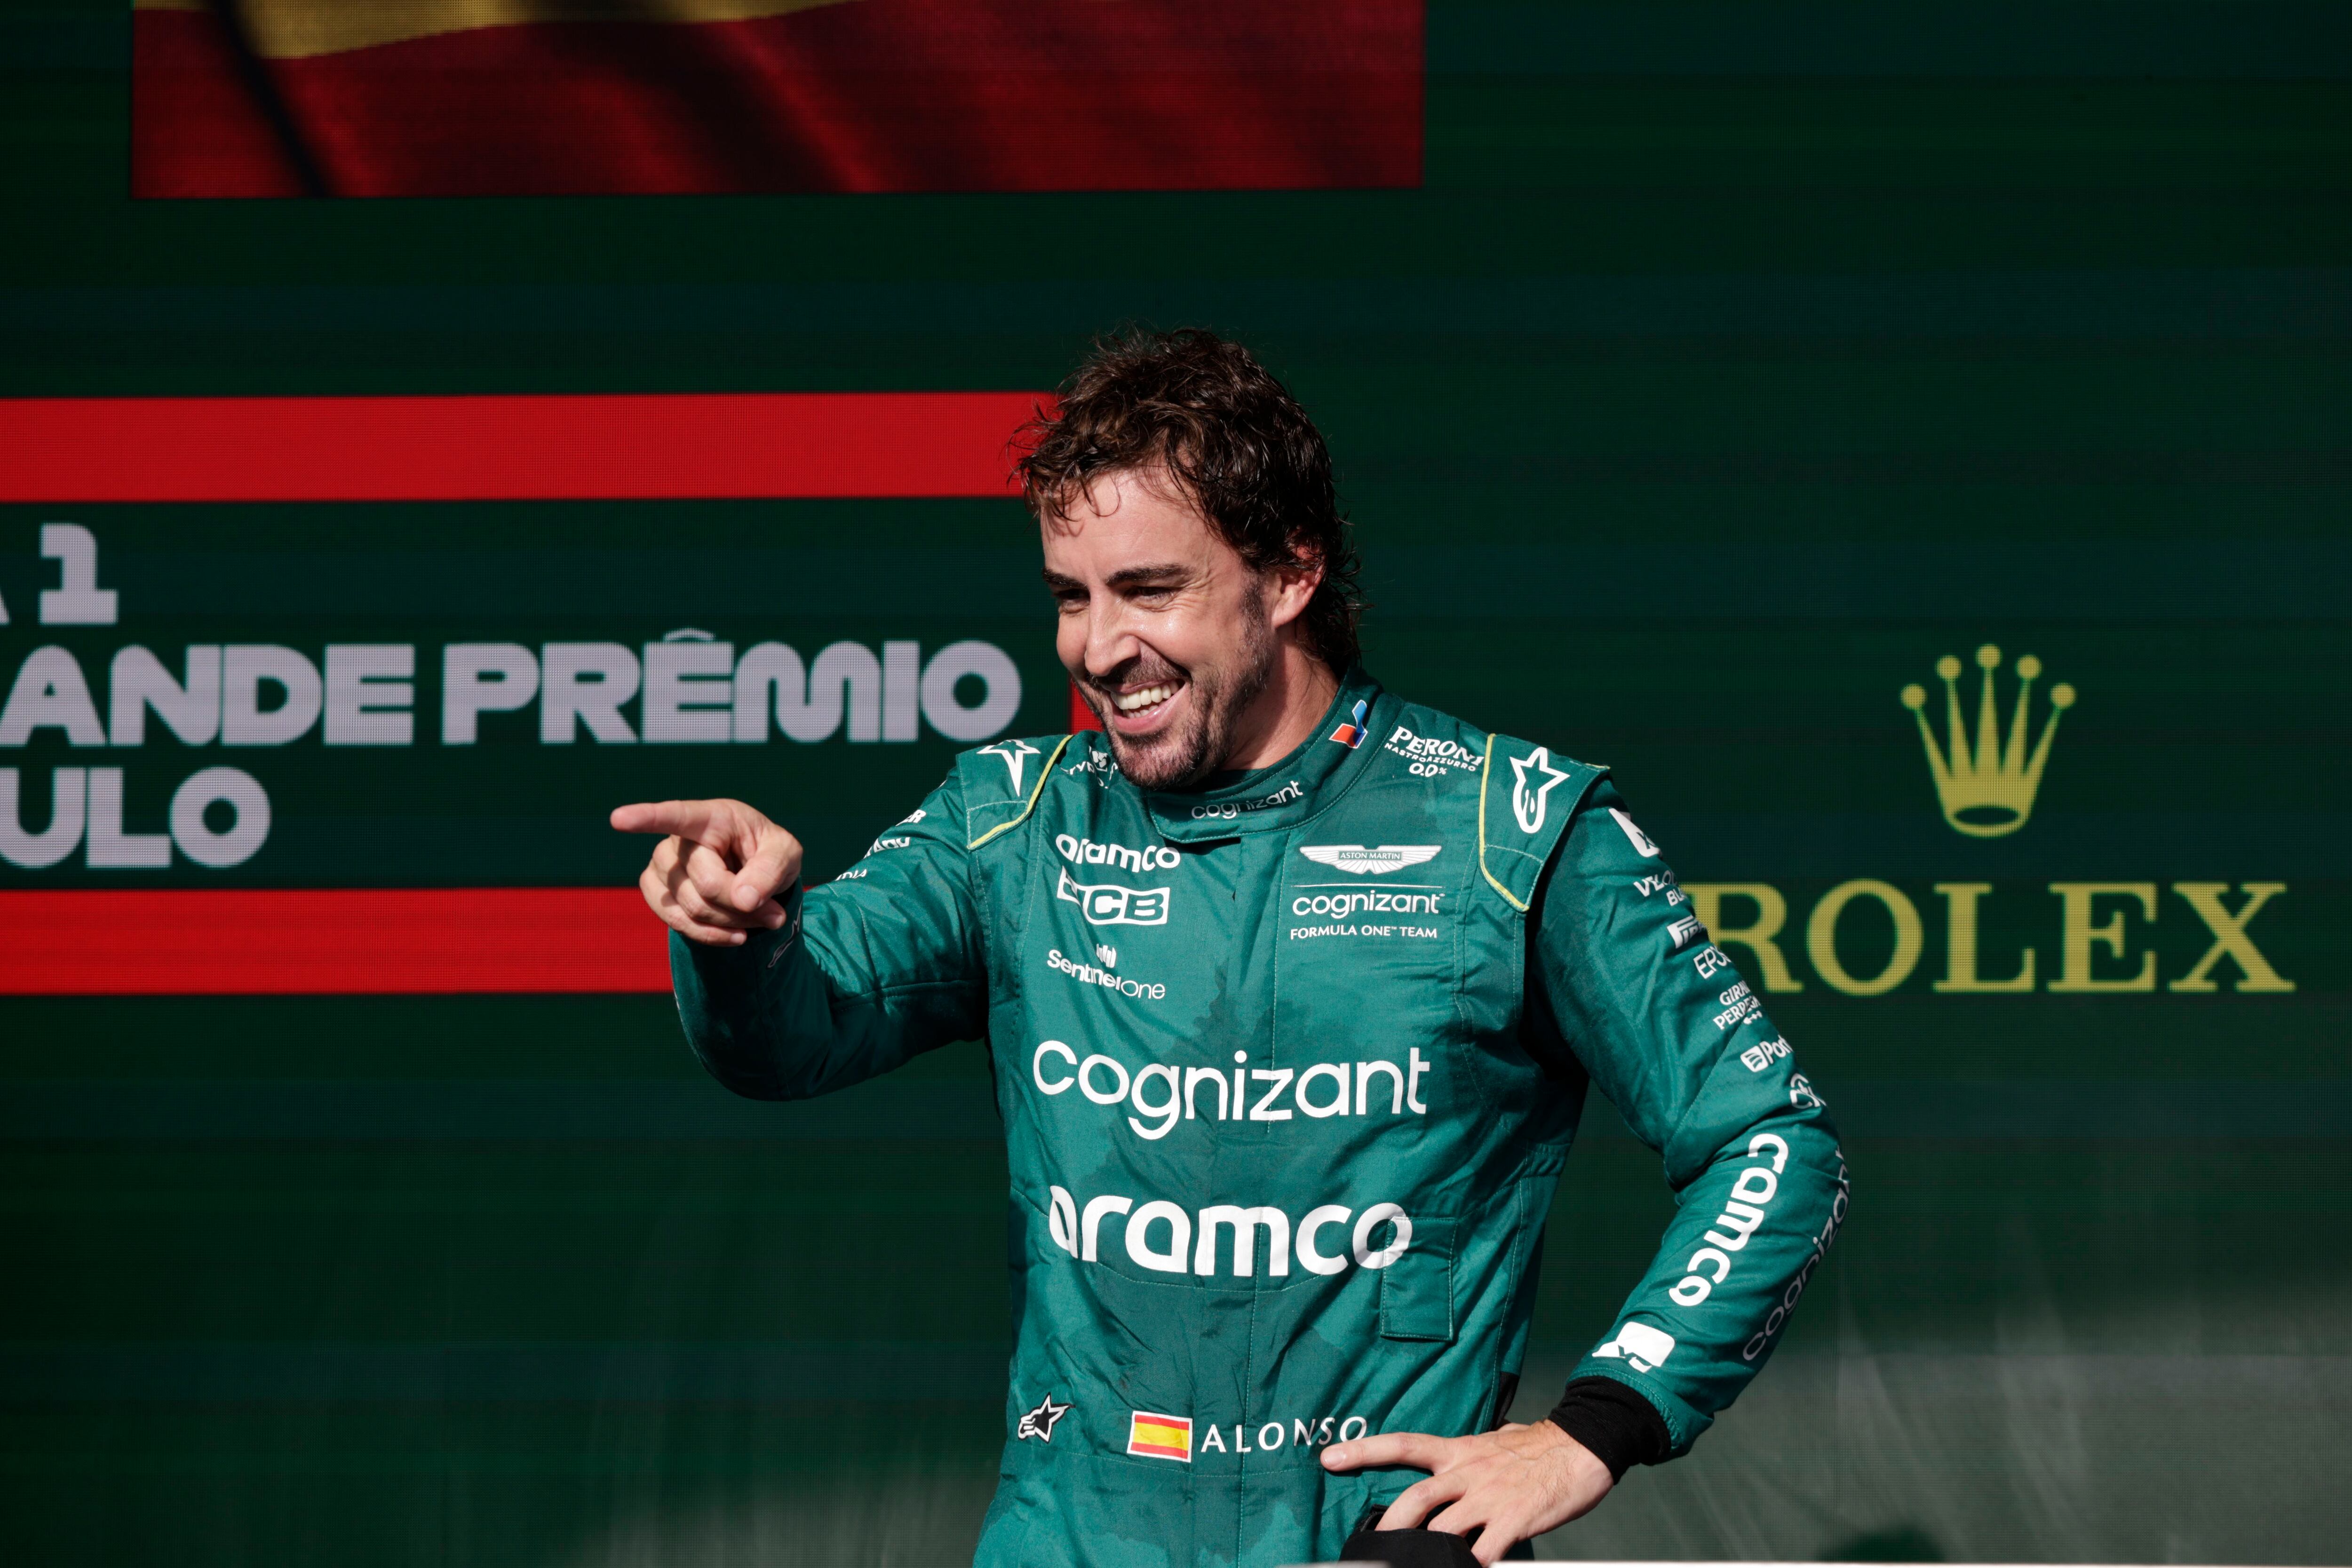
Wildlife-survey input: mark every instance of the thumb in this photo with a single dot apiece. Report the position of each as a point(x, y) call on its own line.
point(770, 864)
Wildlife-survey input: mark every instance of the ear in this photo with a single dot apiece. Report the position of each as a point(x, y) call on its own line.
point(1290, 587)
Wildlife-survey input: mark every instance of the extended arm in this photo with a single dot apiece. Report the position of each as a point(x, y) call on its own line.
point(785, 994)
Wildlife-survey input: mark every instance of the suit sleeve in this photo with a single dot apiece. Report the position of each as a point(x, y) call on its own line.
point(869, 970)
point(1668, 1030)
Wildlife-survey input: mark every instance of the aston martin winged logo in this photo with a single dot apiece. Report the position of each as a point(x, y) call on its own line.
point(1370, 862)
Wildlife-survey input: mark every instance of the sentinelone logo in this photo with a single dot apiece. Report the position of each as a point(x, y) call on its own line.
point(770, 446)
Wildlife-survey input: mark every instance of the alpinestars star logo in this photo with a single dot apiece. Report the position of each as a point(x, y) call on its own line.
point(1370, 862)
point(1528, 805)
point(1014, 755)
point(1039, 1422)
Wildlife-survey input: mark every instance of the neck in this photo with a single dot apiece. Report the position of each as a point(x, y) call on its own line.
point(1281, 717)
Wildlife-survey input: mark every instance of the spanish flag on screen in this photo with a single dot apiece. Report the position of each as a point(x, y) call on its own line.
point(409, 98)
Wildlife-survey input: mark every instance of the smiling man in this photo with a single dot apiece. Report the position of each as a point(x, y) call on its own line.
point(1294, 990)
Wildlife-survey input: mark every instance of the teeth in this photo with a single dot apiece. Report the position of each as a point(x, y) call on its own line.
point(1130, 701)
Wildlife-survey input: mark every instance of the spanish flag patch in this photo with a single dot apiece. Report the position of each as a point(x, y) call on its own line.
point(1160, 1437)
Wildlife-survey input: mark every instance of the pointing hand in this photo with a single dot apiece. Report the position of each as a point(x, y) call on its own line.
point(718, 873)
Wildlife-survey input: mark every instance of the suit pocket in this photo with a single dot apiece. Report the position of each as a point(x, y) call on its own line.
point(1417, 1290)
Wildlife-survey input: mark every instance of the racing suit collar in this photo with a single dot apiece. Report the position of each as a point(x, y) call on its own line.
point(1290, 791)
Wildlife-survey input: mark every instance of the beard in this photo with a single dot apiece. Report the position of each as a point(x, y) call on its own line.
point(1182, 757)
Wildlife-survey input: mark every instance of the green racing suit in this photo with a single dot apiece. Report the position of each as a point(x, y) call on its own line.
point(1288, 1069)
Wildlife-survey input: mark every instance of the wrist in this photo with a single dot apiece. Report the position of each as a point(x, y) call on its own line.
point(1612, 1423)
point(1567, 1450)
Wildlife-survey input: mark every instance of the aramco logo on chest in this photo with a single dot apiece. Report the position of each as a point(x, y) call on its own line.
point(2108, 933)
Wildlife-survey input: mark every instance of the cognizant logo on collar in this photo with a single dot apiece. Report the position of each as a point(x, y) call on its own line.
point(1231, 810)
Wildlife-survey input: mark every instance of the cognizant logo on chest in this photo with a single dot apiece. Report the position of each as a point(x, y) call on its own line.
point(1340, 904)
point(1171, 1094)
point(1351, 901)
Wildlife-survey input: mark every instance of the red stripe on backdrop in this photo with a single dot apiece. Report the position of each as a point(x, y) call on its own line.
point(329, 941)
point(1081, 716)
point(574, 447)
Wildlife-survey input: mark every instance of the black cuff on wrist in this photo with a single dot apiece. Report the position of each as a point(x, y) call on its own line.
point(1621, 1427)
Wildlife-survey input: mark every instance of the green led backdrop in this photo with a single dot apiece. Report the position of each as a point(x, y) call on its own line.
point(1730, 366)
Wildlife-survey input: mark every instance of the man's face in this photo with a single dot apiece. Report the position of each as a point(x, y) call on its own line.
point(1163, 626)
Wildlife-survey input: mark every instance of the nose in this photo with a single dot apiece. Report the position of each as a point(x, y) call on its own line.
point(1111, 640)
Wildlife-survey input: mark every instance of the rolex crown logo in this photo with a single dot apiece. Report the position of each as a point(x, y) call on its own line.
point(1986, 790)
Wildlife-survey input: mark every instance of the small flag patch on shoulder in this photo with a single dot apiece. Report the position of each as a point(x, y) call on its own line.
point(1351, 733)
point(1160, 1437)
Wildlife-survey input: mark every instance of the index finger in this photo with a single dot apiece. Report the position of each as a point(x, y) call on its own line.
point(1417, 1449)
point(686, 819)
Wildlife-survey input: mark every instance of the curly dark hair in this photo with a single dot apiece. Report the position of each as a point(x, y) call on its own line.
point(1230, 435)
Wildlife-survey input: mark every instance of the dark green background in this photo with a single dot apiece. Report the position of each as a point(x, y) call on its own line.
point(1735, 362)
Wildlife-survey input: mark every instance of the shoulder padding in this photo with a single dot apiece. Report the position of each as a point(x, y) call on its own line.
point(1527, 797)
point(1002, 782)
